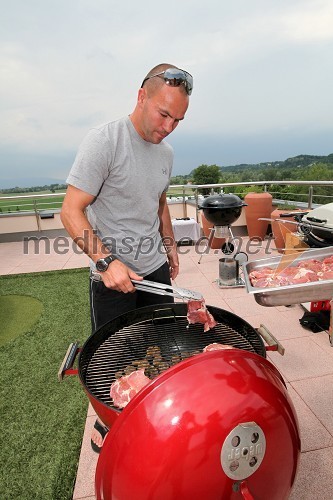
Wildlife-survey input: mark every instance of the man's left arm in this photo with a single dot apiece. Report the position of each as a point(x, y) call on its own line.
point(168, 236)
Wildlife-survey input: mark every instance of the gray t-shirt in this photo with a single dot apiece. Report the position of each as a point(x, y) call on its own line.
point(127, 175)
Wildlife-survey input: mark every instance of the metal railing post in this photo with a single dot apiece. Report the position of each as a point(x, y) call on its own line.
point(37, 216)
point(196, 195)
point(184, 204)
point(310, 198)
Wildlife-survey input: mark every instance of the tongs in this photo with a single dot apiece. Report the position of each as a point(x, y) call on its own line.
point(159, 288)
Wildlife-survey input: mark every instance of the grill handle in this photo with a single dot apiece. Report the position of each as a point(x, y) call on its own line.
point(293, 214)
point(66, 367)
point(319, 221)
point(245, 492)
point(273, 343)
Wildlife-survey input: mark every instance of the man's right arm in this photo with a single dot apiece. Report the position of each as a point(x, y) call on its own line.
point(75, 221)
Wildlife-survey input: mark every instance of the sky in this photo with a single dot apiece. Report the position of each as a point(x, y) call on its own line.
point(262, 69)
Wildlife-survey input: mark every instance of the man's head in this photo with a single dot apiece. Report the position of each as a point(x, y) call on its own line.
point(170, 75)
point(162, 102)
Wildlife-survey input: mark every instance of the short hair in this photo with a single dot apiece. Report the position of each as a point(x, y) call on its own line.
point(154, 84)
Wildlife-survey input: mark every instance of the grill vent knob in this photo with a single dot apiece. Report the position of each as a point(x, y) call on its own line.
point(243, 451)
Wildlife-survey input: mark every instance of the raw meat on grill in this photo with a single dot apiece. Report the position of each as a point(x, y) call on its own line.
point(197, 312)
point(125, 388)
point(217, 347)
point(306, 271)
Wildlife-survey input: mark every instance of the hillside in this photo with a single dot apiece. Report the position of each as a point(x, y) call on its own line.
point(295, 168)
point(52, 188)
point(290, 163)
point(284, 169)
point(28, 182)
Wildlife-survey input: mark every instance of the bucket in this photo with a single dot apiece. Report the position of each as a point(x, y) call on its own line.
point(229, 271)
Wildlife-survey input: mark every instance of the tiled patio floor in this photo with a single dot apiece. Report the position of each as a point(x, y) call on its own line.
point(307, 365)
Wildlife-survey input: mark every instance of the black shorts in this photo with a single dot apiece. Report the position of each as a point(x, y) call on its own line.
point(106, 304)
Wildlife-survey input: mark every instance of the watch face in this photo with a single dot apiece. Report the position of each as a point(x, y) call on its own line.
point(101, 265)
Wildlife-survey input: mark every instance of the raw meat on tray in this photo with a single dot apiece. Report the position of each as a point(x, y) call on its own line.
point(197, 312)
point(126, 387)
point(306, 271)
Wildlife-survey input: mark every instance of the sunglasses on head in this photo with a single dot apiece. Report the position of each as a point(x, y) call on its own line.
point(175, 77)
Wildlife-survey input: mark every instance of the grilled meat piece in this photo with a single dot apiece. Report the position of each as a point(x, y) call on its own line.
point(217, 347)
point(125, 388)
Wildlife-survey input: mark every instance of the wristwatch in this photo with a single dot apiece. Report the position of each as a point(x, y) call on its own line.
point(103, 263)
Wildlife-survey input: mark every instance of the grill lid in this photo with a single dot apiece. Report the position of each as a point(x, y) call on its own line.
point(321, 216)
point(222, 201)
point(222, 209)
point(124, 341)
point(320, 222)
point(180, 434)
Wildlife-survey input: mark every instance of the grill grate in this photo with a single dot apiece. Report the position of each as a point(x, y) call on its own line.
point(102, 360)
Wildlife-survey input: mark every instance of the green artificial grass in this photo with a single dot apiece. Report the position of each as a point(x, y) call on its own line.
point(18, 314)
point(42, 420)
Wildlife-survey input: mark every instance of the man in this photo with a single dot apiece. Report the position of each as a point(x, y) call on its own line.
point(115, 207)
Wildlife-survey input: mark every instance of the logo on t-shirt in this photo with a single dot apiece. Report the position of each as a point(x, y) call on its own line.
point(164, 171)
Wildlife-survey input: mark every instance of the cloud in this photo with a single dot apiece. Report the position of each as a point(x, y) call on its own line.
point(312, 24)
point(260, 68)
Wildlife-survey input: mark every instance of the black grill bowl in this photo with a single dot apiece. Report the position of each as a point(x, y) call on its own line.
point(126, 339)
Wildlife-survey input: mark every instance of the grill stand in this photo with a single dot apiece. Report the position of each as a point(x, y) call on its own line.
point(220, 232)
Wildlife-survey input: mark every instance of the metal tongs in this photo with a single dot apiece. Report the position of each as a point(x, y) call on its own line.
point(159, 288)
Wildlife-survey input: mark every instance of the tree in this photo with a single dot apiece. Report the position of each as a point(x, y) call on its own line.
point(178, 179)
point(206, 174)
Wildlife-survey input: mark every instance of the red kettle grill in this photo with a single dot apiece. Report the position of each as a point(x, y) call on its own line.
point(219, 425)
point(216, 425)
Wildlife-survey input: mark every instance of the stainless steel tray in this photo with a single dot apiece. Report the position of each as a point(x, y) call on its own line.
point(291, 294)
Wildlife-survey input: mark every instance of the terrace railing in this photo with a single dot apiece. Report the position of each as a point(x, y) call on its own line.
point(306, 200)
point(39, 204)
point(34, 204)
